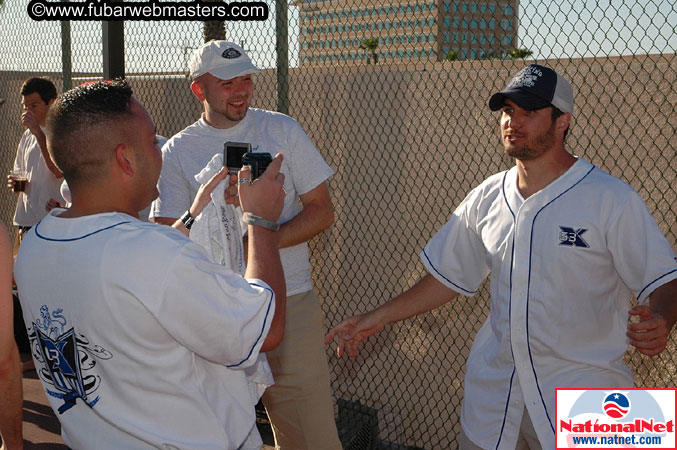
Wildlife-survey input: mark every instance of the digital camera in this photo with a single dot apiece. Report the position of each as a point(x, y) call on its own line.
point(258, 162)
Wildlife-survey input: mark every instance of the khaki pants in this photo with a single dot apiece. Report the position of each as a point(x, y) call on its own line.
point(299, 404)
point(527, 439)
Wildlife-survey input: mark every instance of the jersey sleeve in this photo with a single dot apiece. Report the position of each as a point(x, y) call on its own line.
point(307, 166)
point(641, 255)
point(456, 256)
point(174, 189)
point(213, 311)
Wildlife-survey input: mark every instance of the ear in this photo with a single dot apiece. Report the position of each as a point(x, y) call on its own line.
point(198, 91)
point(563, 122)
point(49, 103)
point(124, 156)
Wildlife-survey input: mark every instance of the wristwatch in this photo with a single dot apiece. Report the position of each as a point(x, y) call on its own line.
point(251, 219)
point(187, 220)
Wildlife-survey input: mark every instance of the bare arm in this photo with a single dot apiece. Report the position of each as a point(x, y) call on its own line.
point(650, 335)
point(426, 295)
point(202, 199)
point(11, 393)
point(265, 198)
point(317, 215)
point(32, 124)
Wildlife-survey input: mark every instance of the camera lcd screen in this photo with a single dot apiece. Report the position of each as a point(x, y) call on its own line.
point(232, 155)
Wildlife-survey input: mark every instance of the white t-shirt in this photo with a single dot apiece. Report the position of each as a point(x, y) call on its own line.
point(42, 184)
point(188, 152)
point(563, 263)
point(140, 341)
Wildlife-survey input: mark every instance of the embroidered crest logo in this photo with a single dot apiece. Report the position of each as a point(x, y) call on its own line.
point(526, 77)
point(572, 238)
point(231, 53)
point(66, 358)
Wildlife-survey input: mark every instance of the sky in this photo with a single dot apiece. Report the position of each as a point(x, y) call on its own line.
point(567, 28)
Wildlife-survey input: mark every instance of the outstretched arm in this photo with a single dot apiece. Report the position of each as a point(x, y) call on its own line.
point(426, 295)
point(650, 335)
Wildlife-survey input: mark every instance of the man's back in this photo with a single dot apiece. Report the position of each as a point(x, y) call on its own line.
point(132, 339)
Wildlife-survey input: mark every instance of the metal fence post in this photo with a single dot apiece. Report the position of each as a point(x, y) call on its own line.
point(282, 50)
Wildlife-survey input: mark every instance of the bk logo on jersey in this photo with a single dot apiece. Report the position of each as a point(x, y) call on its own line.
point(572, 238)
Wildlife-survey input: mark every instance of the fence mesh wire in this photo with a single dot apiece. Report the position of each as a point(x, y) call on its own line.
point(394, 95)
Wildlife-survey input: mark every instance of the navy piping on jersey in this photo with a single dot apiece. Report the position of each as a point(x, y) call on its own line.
point(447, 279)
point(662, 276)
point(77, 238)
point(512, 376)
point(531, 241)
point(263, 327)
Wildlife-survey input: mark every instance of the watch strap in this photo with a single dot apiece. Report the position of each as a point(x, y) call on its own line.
point(252, 219)
point(187, 220)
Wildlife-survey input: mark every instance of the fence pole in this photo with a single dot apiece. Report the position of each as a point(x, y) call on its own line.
point(282, 50)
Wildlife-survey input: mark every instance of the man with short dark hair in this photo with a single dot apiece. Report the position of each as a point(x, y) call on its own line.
point(566, 244)
point(140, 341)
point(299, 404)
point(35, 177)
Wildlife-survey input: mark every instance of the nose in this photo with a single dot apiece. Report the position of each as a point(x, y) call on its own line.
point(513, 122)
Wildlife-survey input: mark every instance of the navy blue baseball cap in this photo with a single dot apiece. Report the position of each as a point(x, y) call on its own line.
point(536, 87)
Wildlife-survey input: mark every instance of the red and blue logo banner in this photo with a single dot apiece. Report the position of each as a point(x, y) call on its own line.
point(616, 418)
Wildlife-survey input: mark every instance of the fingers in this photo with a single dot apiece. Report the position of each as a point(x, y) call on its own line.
point(650, 335)
point(231, 191)
point(640, 310)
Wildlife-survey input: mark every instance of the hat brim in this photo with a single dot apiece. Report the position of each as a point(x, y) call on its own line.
point(235, 70)
point(524, 100)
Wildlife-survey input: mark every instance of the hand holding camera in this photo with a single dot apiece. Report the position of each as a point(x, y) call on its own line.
point(263, 197)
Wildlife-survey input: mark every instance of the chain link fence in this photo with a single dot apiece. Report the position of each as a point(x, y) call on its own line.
point(394, 94)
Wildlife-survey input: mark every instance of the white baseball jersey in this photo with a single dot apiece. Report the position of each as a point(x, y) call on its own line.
point(188, 152)
point(42, 184)
point(563, 263)
point(139, 340)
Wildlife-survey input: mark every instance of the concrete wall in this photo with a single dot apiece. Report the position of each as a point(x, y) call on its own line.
point(407, 143)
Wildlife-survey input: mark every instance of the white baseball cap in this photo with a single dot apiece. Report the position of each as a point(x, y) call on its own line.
point(222, 59)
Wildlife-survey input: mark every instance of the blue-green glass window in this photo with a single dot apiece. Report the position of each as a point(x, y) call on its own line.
point(431, 37)
point(447, 37)
point(492, 8)
point(457, 22)
point(483, 7)
point(473, 24)
point(431, 22)
point(492, 24)
point(447, 21)
point(464, 7)
point(473, 7)
point(464, 23)
point(483, 24)
point(456, 37)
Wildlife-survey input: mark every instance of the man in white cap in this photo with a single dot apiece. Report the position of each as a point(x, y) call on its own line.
point(299, 405)
point(566, 244)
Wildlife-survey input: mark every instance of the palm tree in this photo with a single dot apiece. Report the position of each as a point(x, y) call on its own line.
point(519, 53)
point(213, 29)
point(371, 45)
point(451, 56)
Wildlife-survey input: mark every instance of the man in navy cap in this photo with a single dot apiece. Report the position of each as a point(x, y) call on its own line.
point(566, 244)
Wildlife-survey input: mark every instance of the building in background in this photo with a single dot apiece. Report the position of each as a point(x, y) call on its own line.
point(333, 30)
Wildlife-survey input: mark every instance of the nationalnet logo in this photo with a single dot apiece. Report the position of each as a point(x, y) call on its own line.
point(604, 418)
